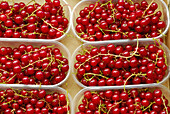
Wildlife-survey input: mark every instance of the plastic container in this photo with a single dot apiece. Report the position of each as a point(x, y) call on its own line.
point(123, 43)
point(15, 43)
point(67, 13)
point(85, 3)
point(79, 96)
point(48, 90)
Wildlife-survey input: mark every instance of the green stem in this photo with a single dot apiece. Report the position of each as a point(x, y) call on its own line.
point(114, 106)
point(139, 74)
point(113, 55)
point(164, 104)
point(148, 106)
point(94, 76)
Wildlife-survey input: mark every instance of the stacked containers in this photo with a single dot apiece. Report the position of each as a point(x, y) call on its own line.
point(143, 41)
point(16, 42)
point(38, 42)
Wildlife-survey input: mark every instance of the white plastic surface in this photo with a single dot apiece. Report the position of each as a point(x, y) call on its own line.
point(85, 3)
point(79, 96)
point(67, 14)
point(123, 43)
point(15, 43)
point(48, 90)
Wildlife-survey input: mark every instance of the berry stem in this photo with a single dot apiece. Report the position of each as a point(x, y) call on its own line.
point(148, 106)
point(101, 30)
point(160, 31)
point(93, 8)
point(20, 95)
point(94, 76)
point(53, 27)
point(131, 1)
point(68, 112)
point(110, 1)
point(9, 58)
point(26, 5)
point(150, 15)
point(100, 108)
point(157, 41)
point(47, 104)
point(34, 11)
point(16, 28)
point(34, 63)
point(164, 104)
point(147, 8)
point(139, 74)
point(11, 78)
point(4, 71)
point(114, 106)
point(112, 55)
point(40, 49)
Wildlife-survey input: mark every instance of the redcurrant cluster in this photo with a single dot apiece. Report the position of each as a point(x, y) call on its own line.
point(120, 65)
point(32, 65)
point(120, 20)
point(33, 102)
point(35, 21)
point(134, 101)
